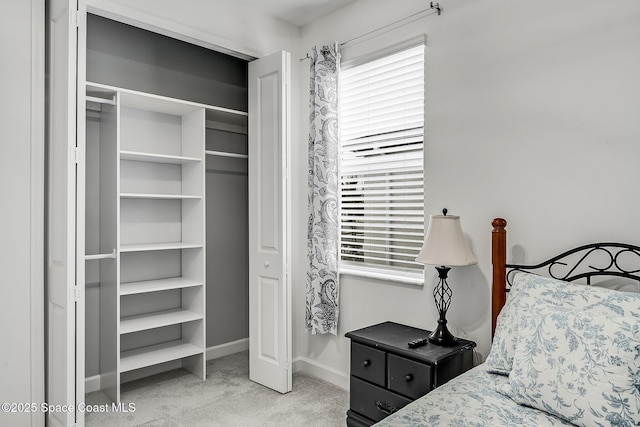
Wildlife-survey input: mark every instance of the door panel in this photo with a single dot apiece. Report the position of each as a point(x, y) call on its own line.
point(270, 163)
point(269, 280)
point(268, 295)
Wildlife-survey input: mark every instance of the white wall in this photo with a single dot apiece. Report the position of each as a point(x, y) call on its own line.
point(532, 114)
point(22, 212)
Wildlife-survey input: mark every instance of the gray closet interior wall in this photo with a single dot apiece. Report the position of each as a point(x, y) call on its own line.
point(128, 57)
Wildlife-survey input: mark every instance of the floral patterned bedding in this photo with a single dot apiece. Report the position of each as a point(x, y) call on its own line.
point(571, 351)
point(471, 399)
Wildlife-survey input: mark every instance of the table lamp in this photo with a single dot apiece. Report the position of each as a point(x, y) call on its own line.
point(444, 247)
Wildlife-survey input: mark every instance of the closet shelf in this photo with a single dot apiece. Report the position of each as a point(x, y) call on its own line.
point(152, 355)
point(156, 158)
point(163, 104)
point(157, 285)
point(157, 196)
point(158, 246)
point(156, 319)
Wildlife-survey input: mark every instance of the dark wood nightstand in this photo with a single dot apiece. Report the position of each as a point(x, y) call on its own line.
point(386, 374)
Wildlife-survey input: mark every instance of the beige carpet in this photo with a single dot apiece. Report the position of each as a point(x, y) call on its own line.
point(226, 398)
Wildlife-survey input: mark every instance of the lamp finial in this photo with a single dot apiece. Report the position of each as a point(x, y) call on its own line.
point(444, 211)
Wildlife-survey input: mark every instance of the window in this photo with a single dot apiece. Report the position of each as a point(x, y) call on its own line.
point(382, 161)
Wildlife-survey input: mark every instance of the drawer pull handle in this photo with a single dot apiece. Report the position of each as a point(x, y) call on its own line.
point(366, 363)
point(385, 407)
point(408, 377)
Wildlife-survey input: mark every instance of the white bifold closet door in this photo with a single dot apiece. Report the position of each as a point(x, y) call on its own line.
point(65, 331)
point(269, 219)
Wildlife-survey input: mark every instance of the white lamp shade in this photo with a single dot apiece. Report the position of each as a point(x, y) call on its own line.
point(445, 243)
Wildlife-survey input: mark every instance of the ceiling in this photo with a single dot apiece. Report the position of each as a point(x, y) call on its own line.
point(297, 12)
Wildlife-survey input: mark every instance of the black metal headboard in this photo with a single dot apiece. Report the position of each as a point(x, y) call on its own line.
point(613, 260)
point(588, 261)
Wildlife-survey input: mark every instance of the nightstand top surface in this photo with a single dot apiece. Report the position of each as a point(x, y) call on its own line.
point(390, 336)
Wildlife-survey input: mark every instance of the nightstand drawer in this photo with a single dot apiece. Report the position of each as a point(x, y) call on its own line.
point(374, 402)
point(368, 363)
point(408, 377)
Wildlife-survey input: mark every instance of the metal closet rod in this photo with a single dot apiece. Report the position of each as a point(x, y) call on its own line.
point(226, 154)
point(91, 257)
point(432, 6)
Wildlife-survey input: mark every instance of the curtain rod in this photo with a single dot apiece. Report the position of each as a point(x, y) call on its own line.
point(432, 6)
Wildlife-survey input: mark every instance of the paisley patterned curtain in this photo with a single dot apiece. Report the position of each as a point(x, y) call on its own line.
point(323, 227)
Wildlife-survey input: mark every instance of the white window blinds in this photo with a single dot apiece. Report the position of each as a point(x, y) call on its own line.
point(381, 170)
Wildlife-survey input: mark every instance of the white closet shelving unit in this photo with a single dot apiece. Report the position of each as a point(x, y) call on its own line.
point(152, 231)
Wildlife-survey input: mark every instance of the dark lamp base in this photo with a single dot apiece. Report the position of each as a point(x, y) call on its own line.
point(441, 336)
point(442, 296)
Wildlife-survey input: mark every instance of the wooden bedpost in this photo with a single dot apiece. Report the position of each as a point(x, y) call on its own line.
point(499, 261)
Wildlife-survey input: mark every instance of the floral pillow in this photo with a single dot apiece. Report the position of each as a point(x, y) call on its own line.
point(531, 293)
point(580, 367)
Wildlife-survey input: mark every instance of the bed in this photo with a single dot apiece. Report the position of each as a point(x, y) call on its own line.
point(562, 353)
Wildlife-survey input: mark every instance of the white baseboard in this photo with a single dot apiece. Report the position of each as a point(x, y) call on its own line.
point(308, 366)
point(227, 348)
point(92, 383)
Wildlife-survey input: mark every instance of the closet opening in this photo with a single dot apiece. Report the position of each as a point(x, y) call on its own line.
point(142, 188)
